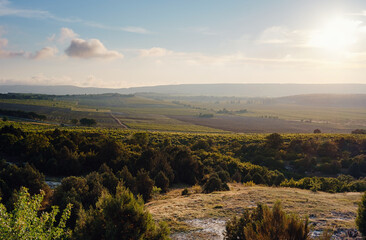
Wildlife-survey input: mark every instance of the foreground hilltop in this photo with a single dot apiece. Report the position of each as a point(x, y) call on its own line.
point(326, 211)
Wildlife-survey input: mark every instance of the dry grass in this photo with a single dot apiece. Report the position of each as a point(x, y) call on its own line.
point(326, 210)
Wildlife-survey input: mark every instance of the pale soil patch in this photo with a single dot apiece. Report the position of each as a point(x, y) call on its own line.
point(204, 215)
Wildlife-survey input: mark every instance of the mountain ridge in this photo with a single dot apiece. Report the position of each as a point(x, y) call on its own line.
point(225, 89)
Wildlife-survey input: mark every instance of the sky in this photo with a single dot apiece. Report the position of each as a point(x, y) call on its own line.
point(118, 44)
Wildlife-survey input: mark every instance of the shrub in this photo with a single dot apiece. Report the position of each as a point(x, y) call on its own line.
point(88, 122)
point(361, 216)
point(144, 184)
point(162, 182)
point(263, 223)
point(317, 131)
point(274, 140)
point(24, 222)
point(214, 183)
point(185, 192)
point(119, 216)
point(237, 176)
point(359, 131)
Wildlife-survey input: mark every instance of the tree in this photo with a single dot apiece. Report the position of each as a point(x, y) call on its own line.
point(88, 122)
point(317, 131)
point(361, 216)
point(119, 216)
point(162, 181)
point(24, 222)
point(74, 121)
point(359, 131)
point(274, 140)
point(144, 184)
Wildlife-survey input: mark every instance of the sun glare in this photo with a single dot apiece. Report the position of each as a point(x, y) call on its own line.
point(338, 34)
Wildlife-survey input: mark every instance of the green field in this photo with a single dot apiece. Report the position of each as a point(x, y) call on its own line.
point(173, 113)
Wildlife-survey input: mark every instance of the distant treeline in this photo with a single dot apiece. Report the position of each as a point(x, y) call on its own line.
point(26, 96)
point(22, 114)
point(359, 131)
point(60, 97)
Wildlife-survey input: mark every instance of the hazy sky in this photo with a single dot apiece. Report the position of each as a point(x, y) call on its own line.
point(136, 43)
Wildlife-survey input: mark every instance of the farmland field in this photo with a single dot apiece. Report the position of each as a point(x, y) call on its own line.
point(173, 113)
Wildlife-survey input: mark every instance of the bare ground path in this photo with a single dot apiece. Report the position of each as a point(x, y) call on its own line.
point(118, 121)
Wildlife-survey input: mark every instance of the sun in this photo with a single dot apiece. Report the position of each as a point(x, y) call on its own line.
point(338, 34)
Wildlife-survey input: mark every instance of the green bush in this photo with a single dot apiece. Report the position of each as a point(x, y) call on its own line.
point(263, 223)
point(119, 216)
point(88, 122)
point(361, 216)
point(144, 184)
point(214, 183)
point(185, 192)
point(162, 182)
point(25, 223)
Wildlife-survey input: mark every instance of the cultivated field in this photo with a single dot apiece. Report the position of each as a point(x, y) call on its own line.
point(175, 113)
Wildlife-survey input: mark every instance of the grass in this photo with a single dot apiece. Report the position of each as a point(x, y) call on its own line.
point(343, 116)
point(327, 211)
point(63, 108)
point(163, 123)
point(45, 103)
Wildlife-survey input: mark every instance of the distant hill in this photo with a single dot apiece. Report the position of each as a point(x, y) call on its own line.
point(325, 100)
point(237, 90)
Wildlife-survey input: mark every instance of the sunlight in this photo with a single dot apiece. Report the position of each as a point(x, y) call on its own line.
point(336, 35)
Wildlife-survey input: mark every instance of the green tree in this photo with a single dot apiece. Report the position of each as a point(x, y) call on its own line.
point(162, 181)
point(317, 131)
point(24, 222)
point(144, 184)
point(274, 140)
point(88, 122)
point(361, 216)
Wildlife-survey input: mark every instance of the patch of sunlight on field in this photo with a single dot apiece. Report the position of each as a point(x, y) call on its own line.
point(38, 102)
point(162, 123)
point(81, 109)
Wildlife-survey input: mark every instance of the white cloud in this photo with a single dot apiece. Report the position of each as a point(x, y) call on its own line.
point(92, 48)
point(67, 34)
point(155, 52)
point(45, 52)
point(42, 79)
point(281, 35)
point(131, 29)
point(135, 30)
point(362, 13)
point(3, 44)
point(91, 81)
point(7, 10)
